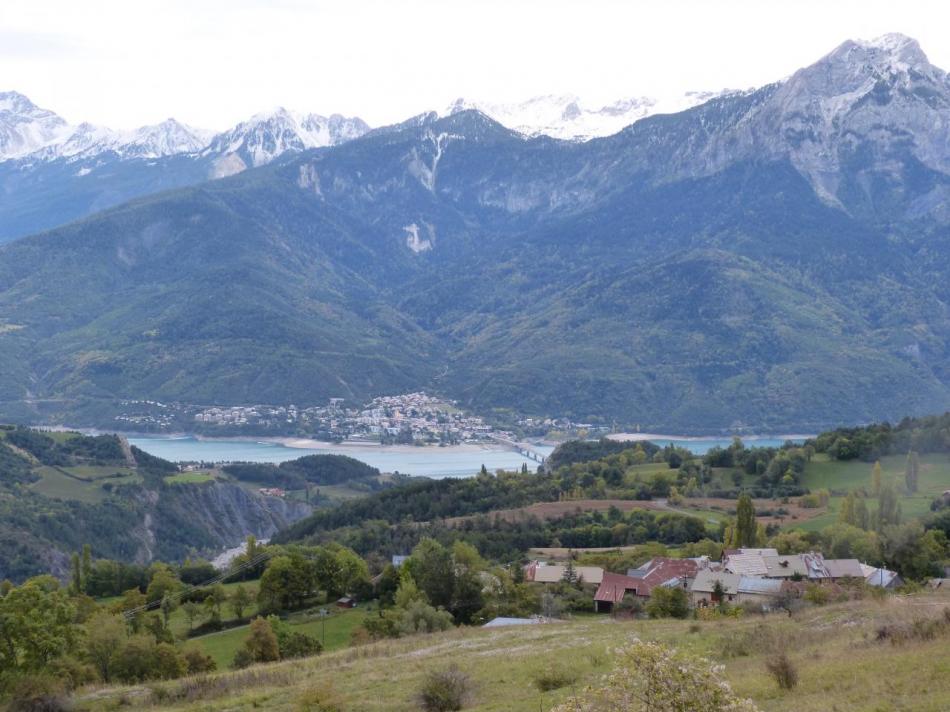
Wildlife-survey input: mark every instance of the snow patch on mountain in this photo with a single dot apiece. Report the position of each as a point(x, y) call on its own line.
point(265, 136)
point(564, 116)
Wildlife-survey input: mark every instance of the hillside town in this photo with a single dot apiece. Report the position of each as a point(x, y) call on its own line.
point(408, 418)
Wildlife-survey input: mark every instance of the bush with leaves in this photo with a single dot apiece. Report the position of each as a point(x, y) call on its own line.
point(650, 677)
point(782, 670)
point(420, 617)
point(445, 690)
point(196, 660)
point(140, 658)
point(292, 643)
point(817, 594)
point(668, 603)
point(260, 646)
point(323, 698)
point(554, 678)
point(39, 692)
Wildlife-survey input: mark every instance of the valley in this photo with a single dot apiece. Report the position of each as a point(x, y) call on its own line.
point(627, 396)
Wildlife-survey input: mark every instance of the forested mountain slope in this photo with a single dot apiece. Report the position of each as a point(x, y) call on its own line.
point(775, 259)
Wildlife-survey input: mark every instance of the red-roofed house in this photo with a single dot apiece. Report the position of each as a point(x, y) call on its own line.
point(675, 572)
point(612, 590)
point(660, 571)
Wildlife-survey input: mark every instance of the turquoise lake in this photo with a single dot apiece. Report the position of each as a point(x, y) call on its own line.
point(427, 461)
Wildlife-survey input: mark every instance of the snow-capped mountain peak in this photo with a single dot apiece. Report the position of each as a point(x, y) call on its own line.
point(168, 138)
point(265, 136)
point(25, 127)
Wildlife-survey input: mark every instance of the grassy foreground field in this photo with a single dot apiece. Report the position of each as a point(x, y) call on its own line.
point(841, 663)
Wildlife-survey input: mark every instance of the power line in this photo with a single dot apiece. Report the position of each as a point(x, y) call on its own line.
point(256, 560)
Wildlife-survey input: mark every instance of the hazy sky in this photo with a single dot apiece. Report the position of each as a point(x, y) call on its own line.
point(211, 63)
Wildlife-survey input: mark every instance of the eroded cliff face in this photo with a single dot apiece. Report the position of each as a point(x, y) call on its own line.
point(229, 512)
point(203, 519)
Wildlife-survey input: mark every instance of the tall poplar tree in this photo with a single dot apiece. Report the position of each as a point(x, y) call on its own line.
point(912, 471)
point(745, 522)
point(876, 478)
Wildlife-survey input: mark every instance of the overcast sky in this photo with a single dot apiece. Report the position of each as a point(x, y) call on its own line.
point(211, 63)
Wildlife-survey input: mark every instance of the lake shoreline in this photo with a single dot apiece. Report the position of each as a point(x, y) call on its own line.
point(645, 437)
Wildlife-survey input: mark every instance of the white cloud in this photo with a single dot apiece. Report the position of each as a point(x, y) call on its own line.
point(214, 62)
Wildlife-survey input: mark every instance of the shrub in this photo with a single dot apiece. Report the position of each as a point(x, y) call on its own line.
point(139, 658)
point(197, 661)
point(295, 644)
point(323, 698)
point(668, 603)
point(39, 693)
point(782, 670)
point(260, 646)
point(817, 594)
point(420, 617)
point(554, 678)
point(629, 607)
point(73, 673)
point(917, 629)
point(649, 677)
point(444, 690)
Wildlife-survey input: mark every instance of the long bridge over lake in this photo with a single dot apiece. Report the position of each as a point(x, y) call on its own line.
point(523, 448)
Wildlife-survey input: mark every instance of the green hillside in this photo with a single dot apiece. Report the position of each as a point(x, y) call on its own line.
point(678, 303)
point(840, 665)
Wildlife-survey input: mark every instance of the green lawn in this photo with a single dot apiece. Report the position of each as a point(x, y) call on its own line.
point(61, 436)
point(840, 477)
point(55, 484)
point(189, 478)
point(94, 472)
point(222, 645)
point(339, 625)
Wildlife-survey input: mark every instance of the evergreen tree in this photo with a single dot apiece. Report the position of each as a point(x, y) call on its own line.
point(570, 572)
point(913, 469)
point(876, 478)
point(746, 529)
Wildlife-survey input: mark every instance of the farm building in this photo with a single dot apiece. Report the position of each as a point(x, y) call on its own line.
point(539, 572)
point(735, 588)
point(614, 588)
point(874, 576)
point(844, 569)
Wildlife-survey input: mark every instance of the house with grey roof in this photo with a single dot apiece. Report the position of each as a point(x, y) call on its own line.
point(844, 569)
point(874, 576)
point(735, 588)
